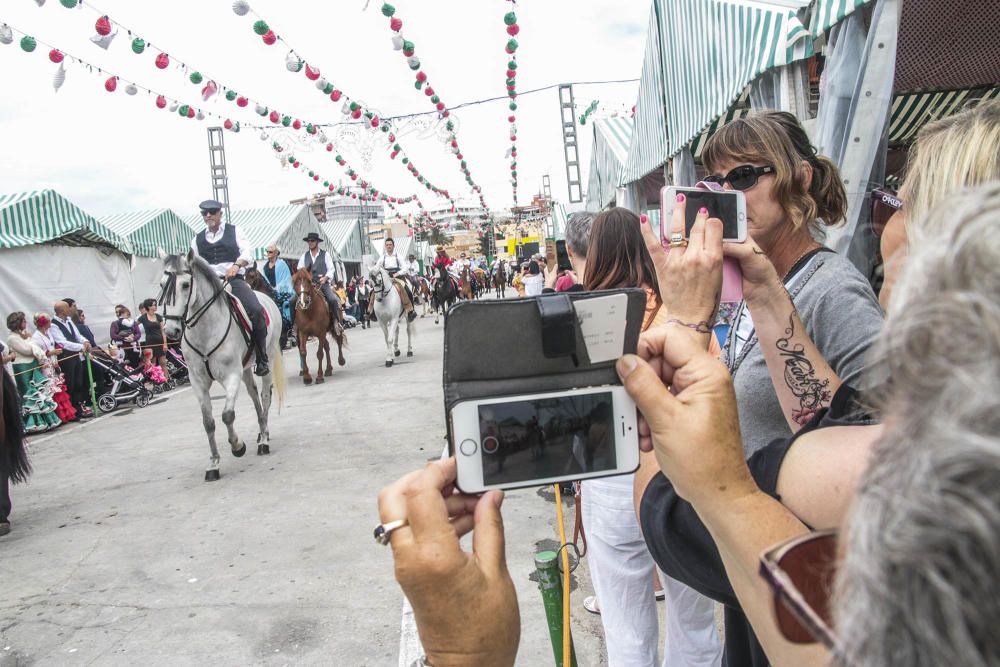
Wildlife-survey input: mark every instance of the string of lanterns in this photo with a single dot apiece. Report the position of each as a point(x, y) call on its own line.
point(60, 57)
point(510, 20)
point(408, 49)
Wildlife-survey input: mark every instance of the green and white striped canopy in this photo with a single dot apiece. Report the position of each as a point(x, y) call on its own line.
point(152, 231)
point(45, 216)
point(648, 149)
point(345, 238)
point(911, 111)
point(284, 225)
point(612, 138)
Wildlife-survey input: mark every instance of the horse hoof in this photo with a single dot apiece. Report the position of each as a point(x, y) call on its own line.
point(241, 451)
point(263, 450)
point(409, 353)
point(307, 380)
point(342, 361)
point(388, 364)
point(320, 379)
point(396, 353)
point(211, 475)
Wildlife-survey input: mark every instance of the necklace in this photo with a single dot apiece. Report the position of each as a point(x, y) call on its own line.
point(797, 264)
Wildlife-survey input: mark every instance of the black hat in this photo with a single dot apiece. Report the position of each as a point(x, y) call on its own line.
point(211, 205)
point(312, 236)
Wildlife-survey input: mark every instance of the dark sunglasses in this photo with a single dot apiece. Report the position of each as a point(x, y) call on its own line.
point(885, 203)
point(742, 177)
point(212, 211)
point(800, 573)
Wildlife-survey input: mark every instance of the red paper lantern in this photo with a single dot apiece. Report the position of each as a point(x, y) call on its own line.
point(190, 113)
point(311, 73)
point(162, 61)
point(511, 73)
point(228, 124)
point(511, 119)
point(296, 124)
point(241, 101)
point(375, 121)
point(459, 156)
point(336, 95)
point(356, 114)
point(354, 195)
point(329, 148)
point(392, 155)
point(422, 77)
point(316, 177)
point(396, 24)
point(331, 188)
point(269, 37)
point(511, 88)
point(111, 84)
point(392, 138)
point(161, 102)
point(354, 177)
point(454, 144)
point(296, 164)
point(446, 114)
point(440, 106)
point(103, 26)
point(274, 117)
point(513, 29)
point(56, 56)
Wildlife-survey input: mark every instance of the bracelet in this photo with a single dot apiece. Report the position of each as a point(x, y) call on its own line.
point(701, 327)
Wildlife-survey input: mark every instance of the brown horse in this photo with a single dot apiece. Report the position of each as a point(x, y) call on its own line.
point(465, 290)
point(312, 318)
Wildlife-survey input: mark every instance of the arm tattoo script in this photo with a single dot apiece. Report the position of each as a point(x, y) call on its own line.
point(800, 377)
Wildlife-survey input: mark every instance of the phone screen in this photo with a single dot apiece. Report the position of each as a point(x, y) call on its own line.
point(549, 437)
point(562, 257)
point(722, 205)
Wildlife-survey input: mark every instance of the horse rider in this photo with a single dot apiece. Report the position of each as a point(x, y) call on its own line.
point(228, 252)
point(394, 266)
point(319, 263)
point(411, 272)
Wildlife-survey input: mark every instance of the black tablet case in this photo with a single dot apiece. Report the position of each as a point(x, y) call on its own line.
point(526, 346)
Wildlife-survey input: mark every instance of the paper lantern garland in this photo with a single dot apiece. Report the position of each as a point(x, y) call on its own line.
point(241, 8)
point(56, 56)
point(162, 61)
point(59, 78)
point(6, 34)
point(103, 26)
point(138, 45)
point(28, 44)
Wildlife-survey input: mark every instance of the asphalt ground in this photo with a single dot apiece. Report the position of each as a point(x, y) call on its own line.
point(121, 554)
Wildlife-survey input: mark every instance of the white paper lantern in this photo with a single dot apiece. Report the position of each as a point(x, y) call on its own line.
point(413, 62)
point(60, 77)
point(211, 88)
point(320, 83)
point(293, 63)
point(130, 89)
point(104, 41)
point(6, 34)
point(241, 8)
point(261, 110)
point(173, 107)
point(346, 109)
point(263, 135)
point(397, 42)
point(200, 115)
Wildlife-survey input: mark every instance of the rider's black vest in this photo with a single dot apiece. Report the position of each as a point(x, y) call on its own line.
point(222, 251)
point(317, 266)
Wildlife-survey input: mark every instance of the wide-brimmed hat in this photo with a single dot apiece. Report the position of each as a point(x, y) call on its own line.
point(312, 236)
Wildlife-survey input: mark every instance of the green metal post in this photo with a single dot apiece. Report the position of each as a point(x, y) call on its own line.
point(550, 584)
point(90, 385)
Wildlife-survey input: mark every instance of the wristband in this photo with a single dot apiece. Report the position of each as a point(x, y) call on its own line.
point(701, 327)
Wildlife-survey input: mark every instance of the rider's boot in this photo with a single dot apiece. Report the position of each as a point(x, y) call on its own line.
point(261, 366)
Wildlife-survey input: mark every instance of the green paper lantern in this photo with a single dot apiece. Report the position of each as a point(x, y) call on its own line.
point(512, 45)
point(68, 4)
point(511, 82)
point(326, 184)
point(510, 18)
point(406, 160)
point(397, 147)
point(291, 159)
point(385, 127)
point(420, 179)
point(355, 106)
point(183, 111)
point(196, 77)
point(464, 164)
point(338, 159)
point(435, 99)
point(286, 120)
point(328, 89)
point(369, 115)
point(408, 47)
point(512, 64)
point(511, 93)
point(450, 125)
point(311, 173)
point(310, 129)
point(138, 45)
point(236, 126)
point(231, 95)
point(514, 174)
point(28, 43)
point(512, 106)
point(418, 84)
point(388, 10)
point(261, 28)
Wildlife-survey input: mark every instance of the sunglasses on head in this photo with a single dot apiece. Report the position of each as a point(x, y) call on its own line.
point(800, 573)
point(885, 203)
point(742, 177)
point(209, 211)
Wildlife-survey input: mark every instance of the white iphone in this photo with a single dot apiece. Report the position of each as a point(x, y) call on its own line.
point(730, 206)
point(538, 439)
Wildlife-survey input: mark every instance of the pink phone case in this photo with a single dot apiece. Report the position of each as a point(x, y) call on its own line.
point(732, 281)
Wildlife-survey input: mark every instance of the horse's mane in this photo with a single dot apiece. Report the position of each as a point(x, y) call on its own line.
point(202, 267)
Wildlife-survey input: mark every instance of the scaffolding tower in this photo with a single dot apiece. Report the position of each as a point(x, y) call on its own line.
point(566, 113)
point(217, 156)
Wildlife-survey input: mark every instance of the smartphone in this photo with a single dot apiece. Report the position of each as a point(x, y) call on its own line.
point(550, 253)
point(562, 257)
point(730, 206)
point(546, 438)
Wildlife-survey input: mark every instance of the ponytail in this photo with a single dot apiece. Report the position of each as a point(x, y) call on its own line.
point(827, 190)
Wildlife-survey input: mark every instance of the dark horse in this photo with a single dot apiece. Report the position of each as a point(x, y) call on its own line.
point(14, 465)
point(445, 292)
point(313, 318)
point(500, 281)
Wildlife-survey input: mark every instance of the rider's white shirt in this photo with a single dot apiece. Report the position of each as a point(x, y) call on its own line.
point(329, 264)
point(246, 250)
point(389, 261)
point(410, 268)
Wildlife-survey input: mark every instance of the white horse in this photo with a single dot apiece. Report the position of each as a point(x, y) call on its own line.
point(390, 313)
point(216, 351)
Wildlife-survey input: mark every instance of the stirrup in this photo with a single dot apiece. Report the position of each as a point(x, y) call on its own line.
point(260, 367)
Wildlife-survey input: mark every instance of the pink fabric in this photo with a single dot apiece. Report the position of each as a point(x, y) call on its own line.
point(564, 282)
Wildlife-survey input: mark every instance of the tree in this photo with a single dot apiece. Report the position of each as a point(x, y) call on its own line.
point(436, 236)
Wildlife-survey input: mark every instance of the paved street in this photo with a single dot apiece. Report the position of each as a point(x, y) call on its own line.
point(121, 554)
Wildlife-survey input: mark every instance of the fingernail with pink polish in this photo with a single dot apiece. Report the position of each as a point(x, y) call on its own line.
point(680, 197)
point(643, 219)
point(703, 211)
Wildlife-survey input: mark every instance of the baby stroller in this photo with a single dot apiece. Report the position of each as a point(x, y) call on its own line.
point(125, 385)
point(177, 366)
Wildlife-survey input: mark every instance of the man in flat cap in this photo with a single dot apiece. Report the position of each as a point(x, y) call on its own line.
point(229, 254)
point(318, 262)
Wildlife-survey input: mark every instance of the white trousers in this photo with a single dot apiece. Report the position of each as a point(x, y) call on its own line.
point(621, 570)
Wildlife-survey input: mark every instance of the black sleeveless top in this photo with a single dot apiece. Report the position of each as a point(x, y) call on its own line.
point(224, 250)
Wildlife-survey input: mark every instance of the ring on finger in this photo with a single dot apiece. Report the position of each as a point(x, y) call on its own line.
point(383, 531)
point(678, 241)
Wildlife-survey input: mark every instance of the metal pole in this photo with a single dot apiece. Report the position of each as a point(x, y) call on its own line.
point(547, 567)
point(90, 384)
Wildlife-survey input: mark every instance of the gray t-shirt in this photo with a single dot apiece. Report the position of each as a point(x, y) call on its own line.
point(842, 317)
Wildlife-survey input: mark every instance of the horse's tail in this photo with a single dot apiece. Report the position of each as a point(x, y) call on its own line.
point(278, 375)
point(13, 454)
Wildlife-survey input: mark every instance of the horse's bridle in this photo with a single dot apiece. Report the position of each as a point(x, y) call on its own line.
point(304, 301)
point(169, 292)
point(380, 283)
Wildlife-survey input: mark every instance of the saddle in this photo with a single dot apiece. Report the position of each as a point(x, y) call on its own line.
point(242, 319)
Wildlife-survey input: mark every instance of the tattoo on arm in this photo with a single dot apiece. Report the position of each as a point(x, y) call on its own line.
point(812, 393)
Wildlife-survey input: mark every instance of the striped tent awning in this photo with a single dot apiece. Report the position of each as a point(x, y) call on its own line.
point(612, 138)
point(152, 231)
point(738, 110)
point(45, 216)
point(285, 226)
point(346, 237)
point(648, 149)
point(824, 14)
point(911, 111)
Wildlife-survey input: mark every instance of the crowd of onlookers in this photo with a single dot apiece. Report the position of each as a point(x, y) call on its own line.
point(829, 474)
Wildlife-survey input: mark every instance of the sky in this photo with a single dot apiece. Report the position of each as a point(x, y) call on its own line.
point(113, 153)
